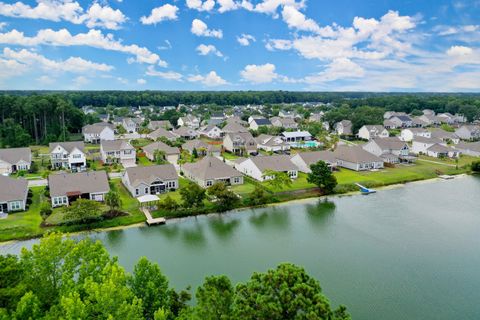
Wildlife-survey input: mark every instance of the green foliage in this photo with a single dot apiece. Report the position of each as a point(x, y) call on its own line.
point(277, 180)
point(323, 177)
point(82, 210)
point(226, 199)
point(28, 308)
point(159, 156)
point(168, 204)
point(258, 197)
point(11, 288)
point(45, 210)
point(476, 166)
point(214, 299)
point(447, 128)
point(113, 200)
point(192, 195)
point(195, 153)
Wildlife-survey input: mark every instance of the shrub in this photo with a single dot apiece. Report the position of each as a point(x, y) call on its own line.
point(476, 166)
point(45, 210)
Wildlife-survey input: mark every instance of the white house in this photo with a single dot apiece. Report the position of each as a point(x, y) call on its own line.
point(271, 143)
point(94, 133)
point(409, 134)
point(442, 151)
point(286, 123)
point(118, 151)
point(468, 132)
point(470, 149)
point(402, 121)
point(68, 155)
point(132, 125)
point(189, 121)
point(391, 149)
point(303, 160)
point(355, 158)
point(15, 159)
point(150, 180)
point(344, 128)
point(369, 132)
point(420, 145)
point(295, 137)
point(211, 131)
point(256, 167)
point(445, 135)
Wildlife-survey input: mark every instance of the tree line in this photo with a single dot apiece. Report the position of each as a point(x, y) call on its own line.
point(60, 278)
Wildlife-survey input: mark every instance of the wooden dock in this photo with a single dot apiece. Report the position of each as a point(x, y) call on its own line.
point(150, 220)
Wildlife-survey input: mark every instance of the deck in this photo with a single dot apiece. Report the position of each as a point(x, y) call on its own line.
point(150, 220)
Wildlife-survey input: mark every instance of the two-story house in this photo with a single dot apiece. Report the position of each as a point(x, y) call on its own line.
point(369, 132)
point(189, 121)
point(391, 149)
point(132, 125)
point(68, 155)
point(240, 143)
point(118, 151)
point(94, 133)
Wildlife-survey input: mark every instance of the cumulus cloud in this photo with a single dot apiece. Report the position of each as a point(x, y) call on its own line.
point(205, 50)
point(93, 38)
point(200, 5)
point(297, 20)
point(141, 81)
point(259, 73)
point(2, 25)
point(80, 81)
point(459, 51)
point(211, 79)
point(227, 5)
point(200, 28)
point(245, 39)
point(163, 13)
point(66, 10)
point(341, 68)
point(168, 75)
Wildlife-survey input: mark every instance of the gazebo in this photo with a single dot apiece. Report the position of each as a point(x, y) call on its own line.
point(149, 200)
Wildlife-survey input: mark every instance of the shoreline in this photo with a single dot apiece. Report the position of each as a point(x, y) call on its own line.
point(239, 210)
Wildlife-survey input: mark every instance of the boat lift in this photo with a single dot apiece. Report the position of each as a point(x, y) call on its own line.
point(365, 190)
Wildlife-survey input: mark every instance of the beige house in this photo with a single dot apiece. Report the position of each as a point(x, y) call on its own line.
point(171, 153)
point(240, 143)
point(256, 167)
point(150, 180)
point(118, 151)
point(15, 159)
point(210, 170)
point(13, 194)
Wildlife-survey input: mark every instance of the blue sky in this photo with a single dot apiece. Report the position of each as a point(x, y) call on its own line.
point(428, 45)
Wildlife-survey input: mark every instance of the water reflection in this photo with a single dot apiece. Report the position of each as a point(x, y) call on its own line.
point(273, 218)
point(115, 238)
point(194, 237)
point(321, 213)
point(223, 227)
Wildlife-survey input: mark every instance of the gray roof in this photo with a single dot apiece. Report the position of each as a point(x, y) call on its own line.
point(378, 127)
point(155, 124)
point(312, 157)
point(15, 155)
point(199, 144)
point(417, 130)
point(403, 118)
point(147, 175)
point(161, 132)
point(262, 122)
point(116, 145)
point(84, 182)
point(69, 146)
point(439, 148)
point(96, 128)
point(275, 163)
point(473, 146)
point(442, 134)
point(355, 155)
point(159, 145)
point(426, 140)
point(268, 140)
point(244, 138)
point(185, 132)
point(391, 143)
point(12, 189)
point(234, 127)
point(211, 168)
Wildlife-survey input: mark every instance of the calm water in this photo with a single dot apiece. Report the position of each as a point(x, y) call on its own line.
point(407, 253)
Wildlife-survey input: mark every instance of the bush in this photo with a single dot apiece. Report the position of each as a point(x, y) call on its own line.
point(45, 210)
point(34, 167)
point(476, 166)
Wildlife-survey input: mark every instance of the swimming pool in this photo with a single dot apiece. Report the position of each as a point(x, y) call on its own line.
point(306, 144)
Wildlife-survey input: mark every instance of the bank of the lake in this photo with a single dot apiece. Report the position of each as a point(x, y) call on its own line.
point(410, 252)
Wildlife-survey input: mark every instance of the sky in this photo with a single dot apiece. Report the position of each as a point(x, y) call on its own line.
point(301, 45)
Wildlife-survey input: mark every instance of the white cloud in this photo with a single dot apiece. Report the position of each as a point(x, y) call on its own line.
point(80, 81)
point(279, 44)
point(93, 38)
point(204, 50)
point(163, 13)
point(200, 28)
point(168, 75)
point(297, 20)
point(72, 64)
point(11, 68)
point(459, 51)
point(211, 79)
point(67, 10)
point(227, 5)
point(46, 80)
point(2, 25)
point(341, 68)
point(271, 6)
point(245, 39)
point(200, 5)
point(259, 73)
point(141, 81)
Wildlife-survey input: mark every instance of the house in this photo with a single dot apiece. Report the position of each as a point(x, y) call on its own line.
point(185, 133)
point(259, 122)
point(344, 128)
point(13, 194)
point(132, 125)
point(355, 158)
point(286, 123)
point(391, 149)
point(445, 135)
point(303, 160)
point(409, 134)
point(68, 187)
point(68, 155)
point(171, 153)
point(234, 127)
point(316, 117)
point(211, 131)
point(189, 121)
point(202, 148)
point(390, 114)
point(468, 132)
point(430, 119)
point(118, 151)
point(369, 132)
point(161, 132)
point(240, 143)
point(150, 180)
point(164, 124)
point(94, 133)
point(428, 112)
point(389, 124)
point(469, 149)
point(15, 159)
point(433, 147)
point(419, 123)
point(117, 121)
point(446, 117)
point(256, 167)
point(402, 121)
point(288, 114)
point(210, 170)
point(236, 119)
point(271, 143)
point(442, 151)
point(295, 137)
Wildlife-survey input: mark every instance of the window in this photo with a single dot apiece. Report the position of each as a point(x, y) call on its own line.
point(16, 205)
point(136, 192)
point(146, 190)
point(77, 156)
point(236, 180)
point(209, 183)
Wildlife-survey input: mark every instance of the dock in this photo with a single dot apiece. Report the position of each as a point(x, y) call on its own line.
point(150, 220)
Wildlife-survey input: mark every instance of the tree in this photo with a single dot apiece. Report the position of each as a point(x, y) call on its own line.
point(149, 284)
point(214, 299)
point(476, 166)
point(277, 180)
point(28, 308)
point(11, 287)
point(82, 210)
point(159, 156)
point(168, 204)
point(192, 195)
point(195, 153)
point(285, 293)
point(113, 200)
point(226, 199)
point(322, 176)
point(258, 196)
point(45, 210)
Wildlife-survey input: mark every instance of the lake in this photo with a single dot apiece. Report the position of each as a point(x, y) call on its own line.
point(410, 252)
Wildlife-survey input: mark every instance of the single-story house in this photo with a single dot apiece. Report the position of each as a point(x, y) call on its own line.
point(211, 131)
point(68, 155)
point(442, 151)
point(150, 180)
point(303, 160)
point(234, 127)
point(387, 124)
point(286, 123)
point(468, 132)
point(344, 128)
point(444, 135)
point(155, 124)
point(161, 132)
point(409, 134)
point(470, 149)
point(421, 144)
point(202, 148)
point(185, 133)
point(355, 158)
point(369, 132)
point(210, 170)
point(259, 122)
point(15, 159)
point(402, 121)
point(294, 137)
point(240, 143)
point(13, 194)
point(171, 153)
point(67, 187)
point(391, 149)
point(256, 167)
point(118, 151)
point(271, 143)
point(94, 133)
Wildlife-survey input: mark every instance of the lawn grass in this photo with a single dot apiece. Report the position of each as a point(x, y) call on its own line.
point(229, 156)
point(140, 142)
point(144, 161)
point(243, 189)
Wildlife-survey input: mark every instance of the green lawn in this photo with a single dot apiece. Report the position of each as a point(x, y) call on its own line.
point(175, 195)
point(144, 161)
point(243, 189)
point(229, 156)
point(140, 142)
point(24, 224)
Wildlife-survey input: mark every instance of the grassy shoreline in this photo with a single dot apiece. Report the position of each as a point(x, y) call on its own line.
point(26, 225)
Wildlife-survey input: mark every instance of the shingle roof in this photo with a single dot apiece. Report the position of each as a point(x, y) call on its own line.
point(268, 140)
point(426, 140)
point(69, 146)
point(211, 168)
point(159, 145)
point(296, 134)
point(116, 145)
point(15, 155)
point(312, 157)
point(96, 128)
point(391, 143)
point(275, 163)
point(473, 146)
point(84, 182)
point(262, 122)
point(161, 132)
point(12, 189)
point(137, 175)
point(233, 127)
point(355, 155)
point(185, 132)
